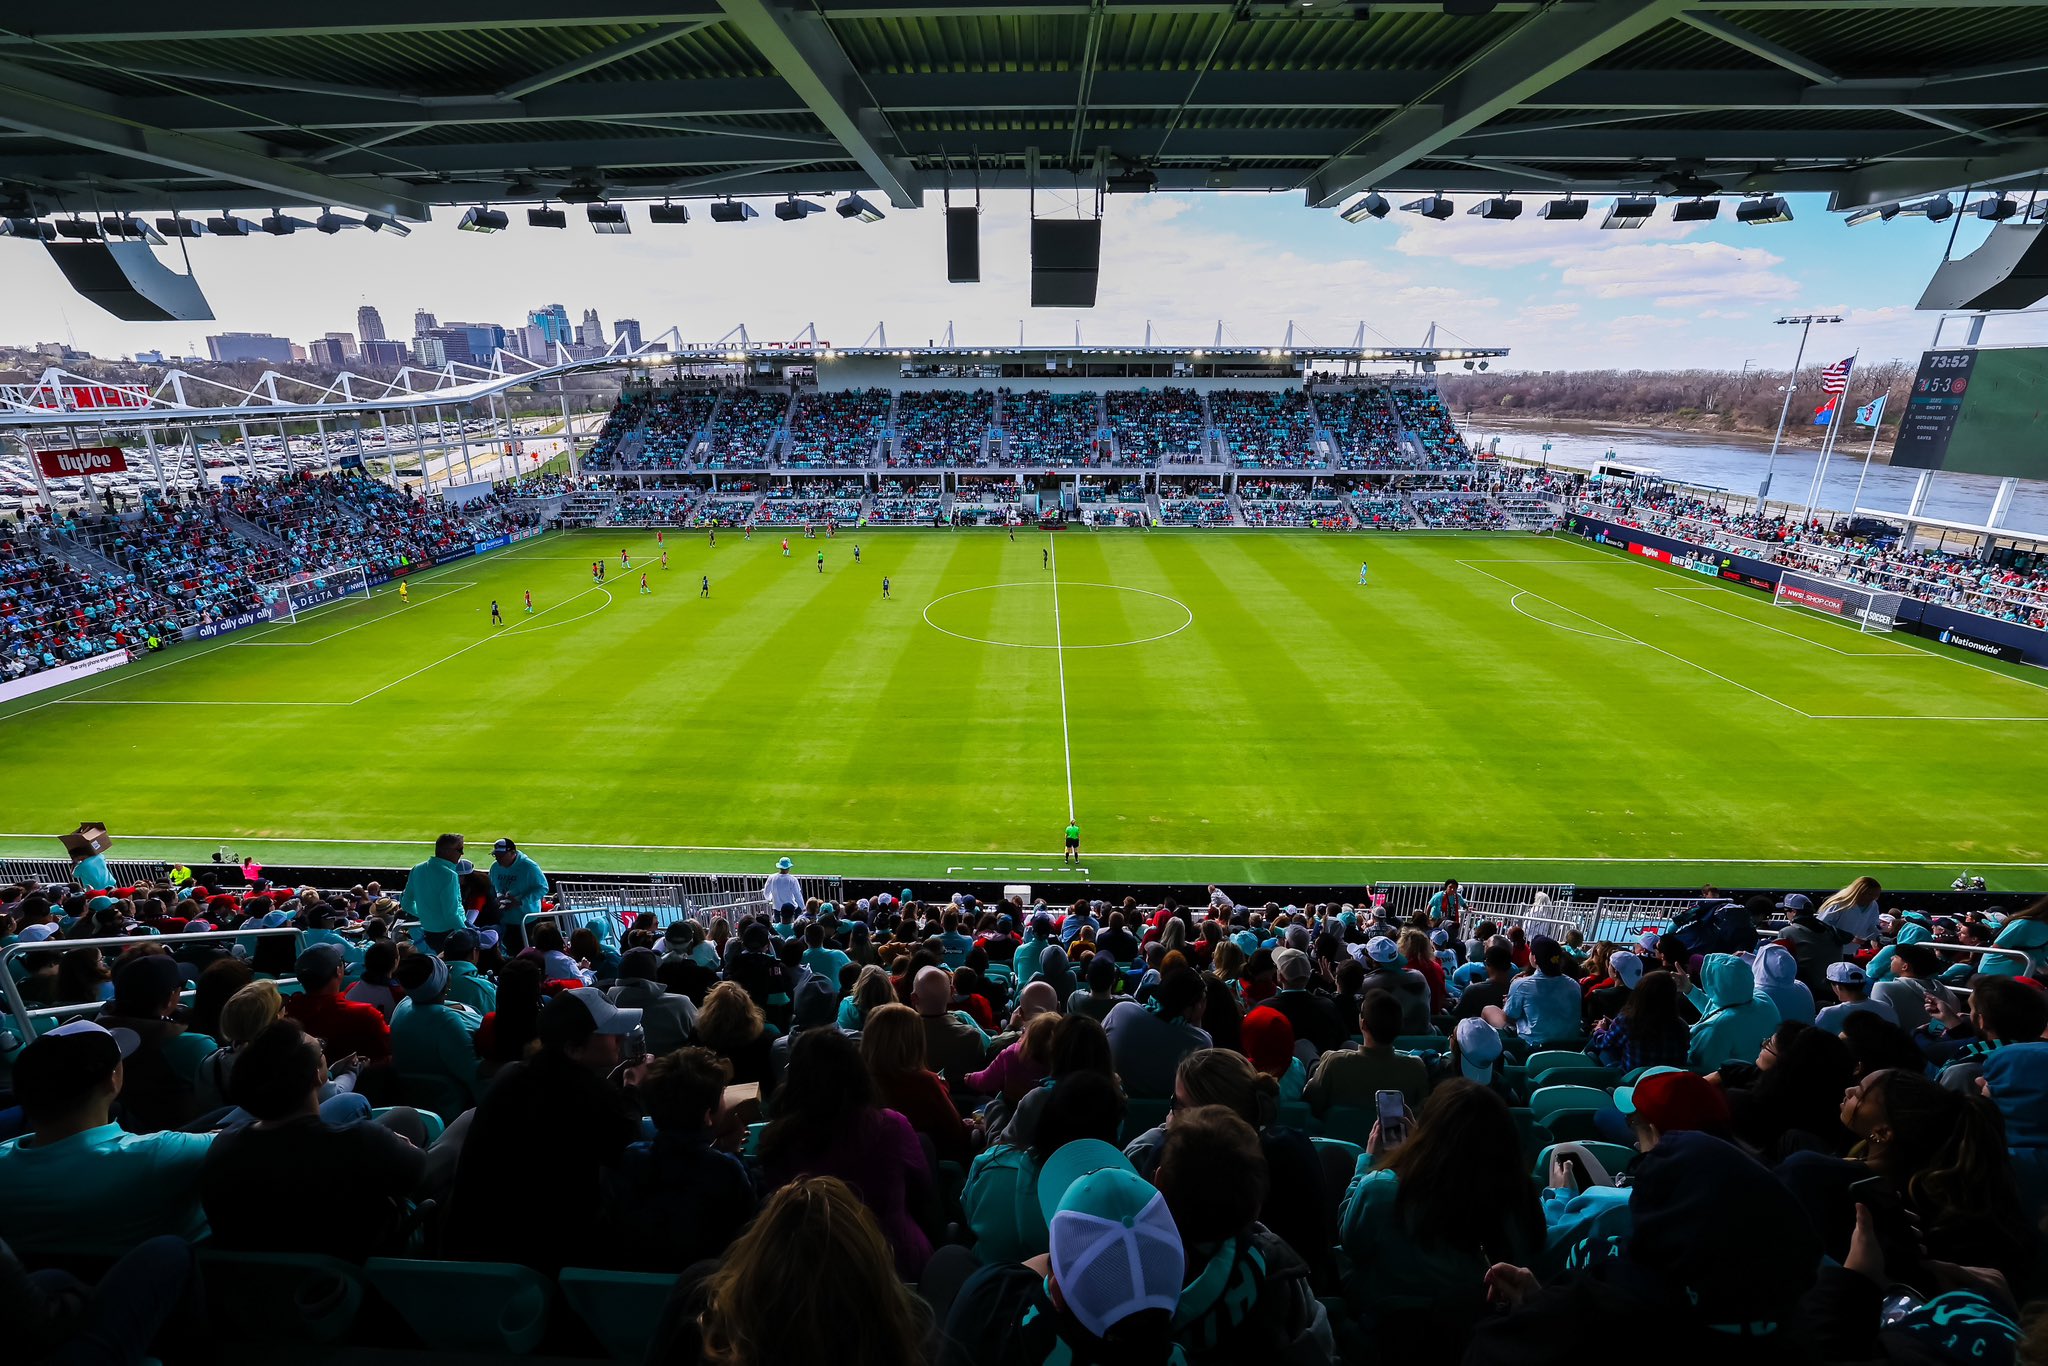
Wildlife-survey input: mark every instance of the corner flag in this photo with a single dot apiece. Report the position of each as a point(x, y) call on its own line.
point(1871, 413)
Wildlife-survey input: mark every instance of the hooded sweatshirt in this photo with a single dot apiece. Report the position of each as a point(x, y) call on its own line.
point(2018, 1077)
point(1734, 1019)
point(1880, 966)
point(1777, 980)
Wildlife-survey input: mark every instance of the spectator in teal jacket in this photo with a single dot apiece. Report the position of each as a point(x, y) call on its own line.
point(1734, 1020)
point(518, 882)
point(433, 893)
point(433, 1041)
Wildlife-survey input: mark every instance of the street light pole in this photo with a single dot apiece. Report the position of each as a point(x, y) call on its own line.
point(1806, 322)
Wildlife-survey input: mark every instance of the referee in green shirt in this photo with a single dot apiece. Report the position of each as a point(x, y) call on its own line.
point(1073, 840)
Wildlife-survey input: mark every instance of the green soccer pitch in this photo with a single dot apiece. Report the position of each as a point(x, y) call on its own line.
point(1211, 706)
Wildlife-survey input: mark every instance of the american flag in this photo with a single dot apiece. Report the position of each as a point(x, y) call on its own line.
point(1835, 379)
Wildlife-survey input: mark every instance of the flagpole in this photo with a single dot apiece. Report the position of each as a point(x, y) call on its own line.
point(1875, 428)
point(1827, 447)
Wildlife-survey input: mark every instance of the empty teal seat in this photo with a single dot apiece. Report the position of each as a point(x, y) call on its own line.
point(1340, 1164)
point(466, 1306)
point(282, 1296)
point(1543, 1061)
point(1352, 1123)
point(1550, 1099)
point(623, 1308)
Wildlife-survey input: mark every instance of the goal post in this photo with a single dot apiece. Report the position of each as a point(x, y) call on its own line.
point(286, 598)
point(1871, 610)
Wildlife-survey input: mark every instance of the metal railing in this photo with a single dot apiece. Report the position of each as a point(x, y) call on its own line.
point(25, 1015)
point(1405, 898)
point(125, 872)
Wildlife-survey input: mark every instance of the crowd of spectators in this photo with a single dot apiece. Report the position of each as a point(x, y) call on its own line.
point(1458, 513)
point(56, 614)
point(1428, 421)
point(654, 508)
point(726, 509)
point(345, 518)
point(744, 429)
point(943, 1131)
point(837, 430)
point(1266, 428)
point(1041, 428)
point(941, 427)
point(1194, 511)
point(1152, 424)
point(653, 432)
point(206, 568)
point(908, 501)
point(1363, 427)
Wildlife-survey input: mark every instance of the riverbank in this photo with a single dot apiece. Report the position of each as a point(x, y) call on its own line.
point(1807, 438)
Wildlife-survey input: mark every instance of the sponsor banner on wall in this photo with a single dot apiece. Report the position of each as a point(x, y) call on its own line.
point(220, 626)
point(81, 462)
point(460, 554)
point(1649, 552)
point(1737, 576)
point(495, 543)
point(1977, 645)
point(1806, 597)
point(63, 673)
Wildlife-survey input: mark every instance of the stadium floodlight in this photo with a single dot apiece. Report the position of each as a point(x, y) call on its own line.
point(585, 191)
point(1482, 365)
point(33, 229)
point(83, 229)
point(1470, 364)
point(793, 209)
point(282, 224)
point(853, 206)
point(1701, 210)
point(177, 226)
point(1939, 209)
point(227, 225)
point(1374, 205)
point(665, 212)
point(1431, 206)
point(115, 225)
point(1770, 208)
point(331, 222)
point(1997, 209)
point(732, 211)
point(483, 218)
point(545, 217)
point(1630, 211)
point(1873, 213)
point(384, 222)
point(1566, 210)
point(1499, 209)
point(609, 219)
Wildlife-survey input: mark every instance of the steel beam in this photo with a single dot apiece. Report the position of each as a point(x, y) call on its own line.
point(1756, 45)
point(602, 57)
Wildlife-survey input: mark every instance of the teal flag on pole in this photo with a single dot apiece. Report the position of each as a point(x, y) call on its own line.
point(1871, 413)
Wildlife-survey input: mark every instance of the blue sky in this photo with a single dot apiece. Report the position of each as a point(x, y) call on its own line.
point(1562, 295)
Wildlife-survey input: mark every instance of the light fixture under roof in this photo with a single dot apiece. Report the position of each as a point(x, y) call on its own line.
point(665, 212)
point(331, 222)
point(1939, 209)
point(384, 222)
point(732, 211)
point(1499, 209)
point(123, 225)
point(177, 226)
point(31, 229)
point(1872, 213)
point(1566, 210)
point(609, 219)
point(1696, 211)
point(792, 209)
point(545, 217)
point(1770, 208)
point(483, 218)
point(854, 206)
point(1630, 211)
point(227, 225)
point(282, 224)
point(82, 229)
point(1431, 206)
point(1374, 205)
point(1997, 209)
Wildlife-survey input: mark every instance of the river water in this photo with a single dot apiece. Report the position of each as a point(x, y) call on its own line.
point(1737, 466)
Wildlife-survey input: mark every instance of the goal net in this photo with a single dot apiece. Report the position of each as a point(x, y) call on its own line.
point(286, 598)
point(1869, 609)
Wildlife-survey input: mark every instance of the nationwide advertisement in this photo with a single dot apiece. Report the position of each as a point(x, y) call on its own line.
point(495, 543)
point(1978, 646)
point(81, 462)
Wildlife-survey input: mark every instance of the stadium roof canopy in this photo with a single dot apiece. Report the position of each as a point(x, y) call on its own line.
point(395, 106)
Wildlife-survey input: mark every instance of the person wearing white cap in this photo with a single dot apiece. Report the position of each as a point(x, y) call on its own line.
point(1852, 994)
point(1106, 1292)
point(782, 888)
point(1476, 1055)
point(1386, 970)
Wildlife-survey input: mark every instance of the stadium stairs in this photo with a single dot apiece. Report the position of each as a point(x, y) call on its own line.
point(590, 508)
point(79, 554)
point(249, 530)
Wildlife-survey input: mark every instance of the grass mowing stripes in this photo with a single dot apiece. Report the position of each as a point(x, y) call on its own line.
point(1491, 704)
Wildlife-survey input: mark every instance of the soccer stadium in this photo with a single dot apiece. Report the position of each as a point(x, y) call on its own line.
point(1008, 852)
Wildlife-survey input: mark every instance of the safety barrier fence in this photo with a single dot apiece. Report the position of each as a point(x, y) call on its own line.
point(25, 1015)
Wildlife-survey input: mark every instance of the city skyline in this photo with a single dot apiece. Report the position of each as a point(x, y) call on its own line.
point(1561, 296)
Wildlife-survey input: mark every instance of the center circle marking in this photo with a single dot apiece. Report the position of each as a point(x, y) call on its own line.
point(1187, 619)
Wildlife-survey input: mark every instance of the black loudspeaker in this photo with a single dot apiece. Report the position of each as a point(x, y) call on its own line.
point(1066, 258)
point(2009, 270)
point(963, 246)
point(127, 280)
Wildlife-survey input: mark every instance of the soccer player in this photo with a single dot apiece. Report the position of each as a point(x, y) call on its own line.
point(1361, 573)
point(664, 558)
point(643, 582)
point(659, 539)
point(749, 532)
point(704, 590)
point(821, 562)
point(1045, 558)
point(625, 560)
point(856, 552)
point(1073, 840)
point(885, 585)
point(529, 602)
point(497, 617)
point(596, 570)
point(714, 538)
point(404, 597)
point(785, 547)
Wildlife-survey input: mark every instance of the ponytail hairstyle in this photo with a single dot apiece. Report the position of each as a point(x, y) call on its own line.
point(1947, 1149)
point(1217, 1076)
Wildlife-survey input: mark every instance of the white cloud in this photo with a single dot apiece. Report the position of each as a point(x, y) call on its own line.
point(1547, 313)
